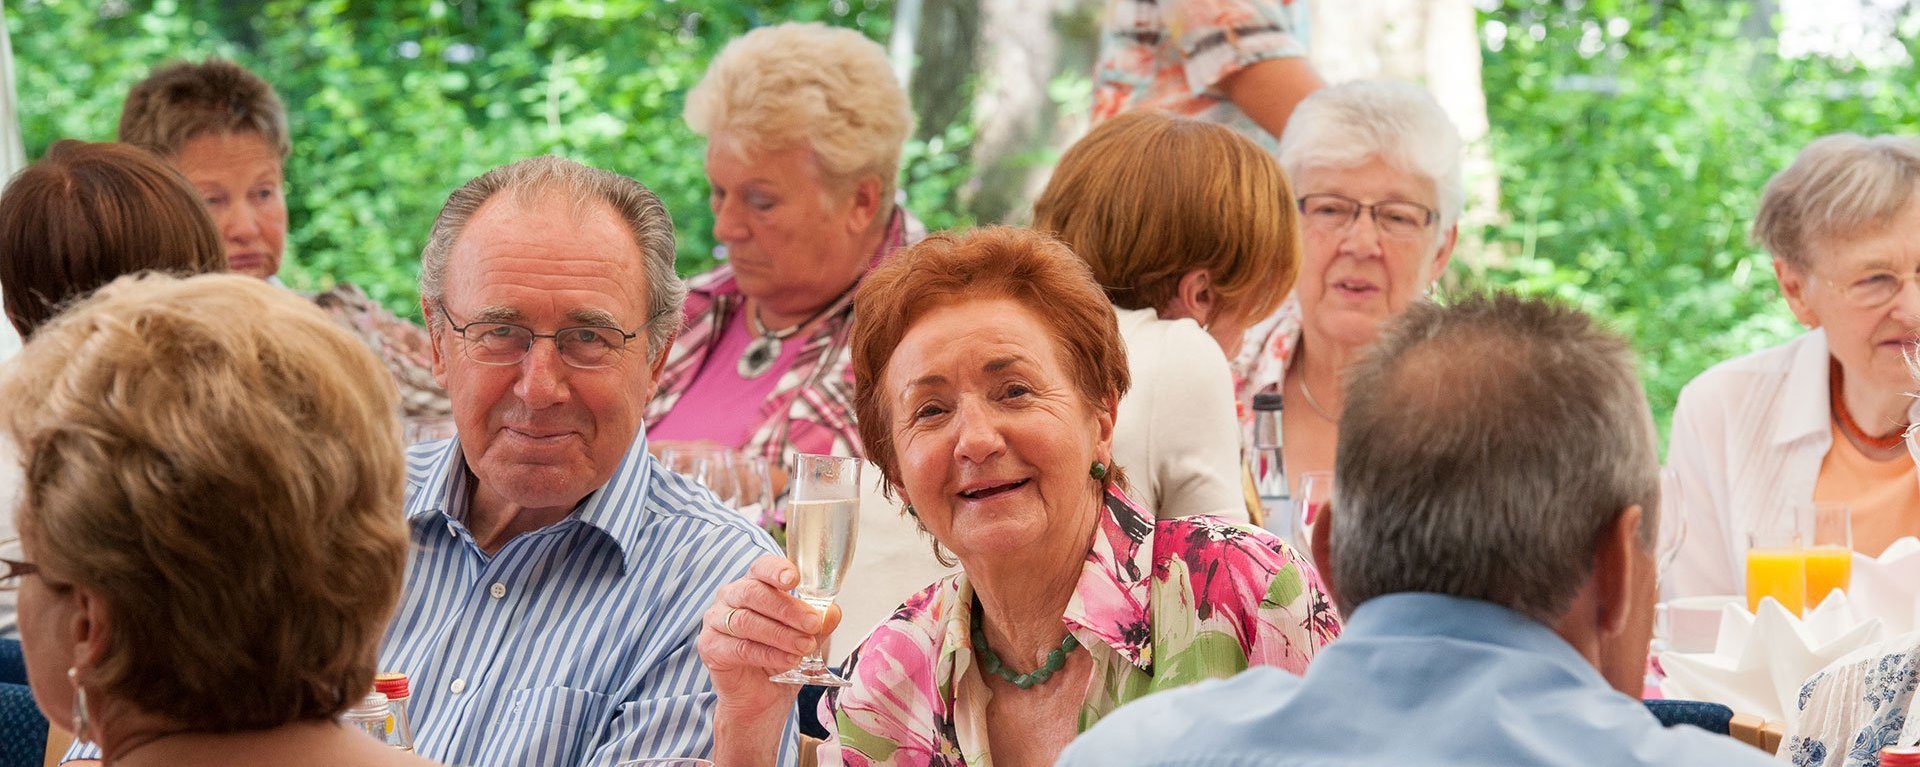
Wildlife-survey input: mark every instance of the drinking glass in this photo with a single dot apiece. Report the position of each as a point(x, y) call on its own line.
point(823, 520)
point(1777, 559)
point(1830, 551)
point(753, 486)
point(1316, 494)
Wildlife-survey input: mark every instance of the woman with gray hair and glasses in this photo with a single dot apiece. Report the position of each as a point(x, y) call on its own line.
point(1821, 417)
point(1375, 167)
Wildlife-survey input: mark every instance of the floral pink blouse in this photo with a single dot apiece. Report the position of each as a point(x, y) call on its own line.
point(1158, 605)
point(1172, 55)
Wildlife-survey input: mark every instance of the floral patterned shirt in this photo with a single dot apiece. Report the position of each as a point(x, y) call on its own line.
point(811, 408)
point(1855, 707)
point(1265, 350)
point(1172, 55)
point(1158, 605)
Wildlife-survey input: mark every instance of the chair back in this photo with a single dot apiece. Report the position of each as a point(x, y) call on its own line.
point(23, 731)
point(13, 665)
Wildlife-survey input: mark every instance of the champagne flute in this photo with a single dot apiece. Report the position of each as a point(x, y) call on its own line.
point(823, 520)
point(1316, 495)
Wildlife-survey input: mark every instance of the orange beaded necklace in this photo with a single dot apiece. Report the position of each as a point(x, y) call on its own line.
point(1834, 392)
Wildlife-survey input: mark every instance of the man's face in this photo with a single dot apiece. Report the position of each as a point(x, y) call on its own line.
point(541, 433)
point(1623, 656)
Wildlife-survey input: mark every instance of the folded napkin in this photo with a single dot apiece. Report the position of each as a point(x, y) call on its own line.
point(1888, 586)
point(1759, 662)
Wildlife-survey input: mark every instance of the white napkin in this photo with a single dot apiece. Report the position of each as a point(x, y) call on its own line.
point(1888, 586)
point(1760, 661)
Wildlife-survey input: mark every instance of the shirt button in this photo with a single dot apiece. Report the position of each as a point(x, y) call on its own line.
point(499, 590)
point(458, 686)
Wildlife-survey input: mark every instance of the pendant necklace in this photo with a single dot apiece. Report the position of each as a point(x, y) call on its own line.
point(764, 349)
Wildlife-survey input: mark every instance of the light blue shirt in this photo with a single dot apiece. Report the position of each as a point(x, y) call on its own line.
point(1413, 679)
point(574, 644)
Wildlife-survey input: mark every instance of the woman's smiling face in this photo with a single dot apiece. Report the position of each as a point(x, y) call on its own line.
point(992, 438)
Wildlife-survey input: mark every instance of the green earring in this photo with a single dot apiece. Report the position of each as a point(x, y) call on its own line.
point(910, 510)
point(1099, 470)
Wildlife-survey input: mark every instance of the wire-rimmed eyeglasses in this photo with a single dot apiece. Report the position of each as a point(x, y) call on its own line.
point(1393, 218)
point(504, 343)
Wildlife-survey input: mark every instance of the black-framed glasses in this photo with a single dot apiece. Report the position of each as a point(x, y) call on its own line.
point(1871, 290)
point(1393, 218)
point(504, 343)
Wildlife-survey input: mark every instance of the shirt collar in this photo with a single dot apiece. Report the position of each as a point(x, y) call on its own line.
point(617, 510)
point(1110, 601)
point(1426, 616)
point(1808, 404)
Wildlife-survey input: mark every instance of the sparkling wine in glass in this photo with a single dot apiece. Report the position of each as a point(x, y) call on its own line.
point(823, 522)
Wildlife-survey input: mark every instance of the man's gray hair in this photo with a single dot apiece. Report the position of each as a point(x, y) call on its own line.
point(585, 188)
point(1841, 186)
point(1354, 123)
point(1484, 448)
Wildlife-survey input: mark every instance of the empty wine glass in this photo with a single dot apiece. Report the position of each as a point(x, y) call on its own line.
point(823, 520)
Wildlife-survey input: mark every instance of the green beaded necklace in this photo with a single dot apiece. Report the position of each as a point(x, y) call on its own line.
point(991, 662)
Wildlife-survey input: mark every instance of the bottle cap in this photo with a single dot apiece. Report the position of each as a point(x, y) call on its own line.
point(374, 706)
point(392, 684)
point(1266, 400)
point(1900, 756)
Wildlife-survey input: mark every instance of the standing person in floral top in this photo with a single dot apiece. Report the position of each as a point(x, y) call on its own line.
point(1240, 63)
point(988, 370)
point(804, 126)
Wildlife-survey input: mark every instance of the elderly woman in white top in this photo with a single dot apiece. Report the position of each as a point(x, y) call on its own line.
point(1821, 417)
point(1375, 166)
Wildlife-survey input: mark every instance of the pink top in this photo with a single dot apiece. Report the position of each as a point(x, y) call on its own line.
point(720, 406)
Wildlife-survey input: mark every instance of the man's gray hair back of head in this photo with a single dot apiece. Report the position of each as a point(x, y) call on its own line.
point(1484, 447)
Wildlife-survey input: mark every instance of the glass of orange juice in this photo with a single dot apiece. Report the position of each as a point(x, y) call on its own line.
point(1830, 551)
point(1777, 559)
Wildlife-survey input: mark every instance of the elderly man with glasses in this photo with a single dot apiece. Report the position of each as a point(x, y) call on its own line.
point(558, 572)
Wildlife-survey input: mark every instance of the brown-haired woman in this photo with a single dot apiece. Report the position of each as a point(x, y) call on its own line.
point(87, 213)
point(988, 369)
point(1191, 230)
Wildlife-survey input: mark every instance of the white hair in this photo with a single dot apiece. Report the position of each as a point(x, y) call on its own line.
point(1351, 124)
point(1840, 186)
point(826, 88)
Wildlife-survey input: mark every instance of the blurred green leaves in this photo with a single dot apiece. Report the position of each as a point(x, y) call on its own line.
point(1633, 139)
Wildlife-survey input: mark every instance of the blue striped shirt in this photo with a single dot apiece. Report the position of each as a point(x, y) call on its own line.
point(574, 644)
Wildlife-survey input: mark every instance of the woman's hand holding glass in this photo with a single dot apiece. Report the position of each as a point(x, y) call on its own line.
point(754, 630)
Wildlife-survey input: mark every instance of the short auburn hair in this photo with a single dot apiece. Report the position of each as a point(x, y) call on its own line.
point(1028, 267)
point(87, 213)
point(220, 464)
point(1147, 197)
point(183, 100)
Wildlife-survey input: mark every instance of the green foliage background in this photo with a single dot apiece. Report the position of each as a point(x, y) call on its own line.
point(1631, 137)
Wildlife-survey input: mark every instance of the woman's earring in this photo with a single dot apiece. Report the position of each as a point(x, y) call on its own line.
point(1099, 471)
point(80, 721)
